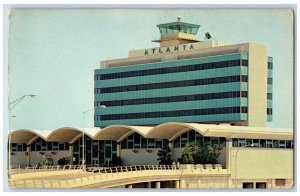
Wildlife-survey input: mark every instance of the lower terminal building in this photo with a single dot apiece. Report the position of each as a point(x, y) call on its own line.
point(254, 157)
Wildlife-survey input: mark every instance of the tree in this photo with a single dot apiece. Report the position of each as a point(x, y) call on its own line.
point(187, 156)
point(164, 156)
point(201, 153)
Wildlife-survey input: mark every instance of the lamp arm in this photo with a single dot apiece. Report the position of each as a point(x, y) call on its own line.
point(15, 102)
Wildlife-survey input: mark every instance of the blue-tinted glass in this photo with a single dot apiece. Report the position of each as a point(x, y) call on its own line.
point(177, 142)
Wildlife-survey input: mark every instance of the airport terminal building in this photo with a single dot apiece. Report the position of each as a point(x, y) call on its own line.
point(185, 91)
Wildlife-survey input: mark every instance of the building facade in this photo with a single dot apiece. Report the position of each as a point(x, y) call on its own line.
point(185, 80)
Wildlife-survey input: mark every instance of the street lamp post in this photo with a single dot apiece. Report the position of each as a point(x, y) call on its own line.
point(10, 107)
point(235, 172)
point(84, 114)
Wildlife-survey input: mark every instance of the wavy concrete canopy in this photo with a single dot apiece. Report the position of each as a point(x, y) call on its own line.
point(69, 134)
point(27, 136)
point(120, 132)
point(172, 130)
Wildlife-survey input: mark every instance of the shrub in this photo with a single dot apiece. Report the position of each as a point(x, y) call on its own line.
point(63, 161)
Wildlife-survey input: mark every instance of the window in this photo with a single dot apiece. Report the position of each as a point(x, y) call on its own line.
point(261, 185)
point(158, 143)
point(151, 143)
point(55, 146)
point(262, 143)
point(269, 144)
point(282, 144)
point(280, 182)
point(61, 146)
point(248, 185)
point(124, 144)
point(214, 141)
point(242, 142)
point(49, 146)
point(288, 144)
point(144, 142)
point(177, 142)
point(275, 143)
point(191, 136)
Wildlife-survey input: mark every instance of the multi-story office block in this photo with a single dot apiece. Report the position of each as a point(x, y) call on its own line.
point(186, 80)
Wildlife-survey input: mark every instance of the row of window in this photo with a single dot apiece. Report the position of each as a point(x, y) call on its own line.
point(207, 96)
point(136, 141)
point(166, 70)
point(42, 145)
point(193, 137)
point(18, 147)
point(262, 143)
point(204, 81)
point(206, 111)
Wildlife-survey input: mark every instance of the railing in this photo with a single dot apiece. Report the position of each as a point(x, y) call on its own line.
point(132, 168)
point(36, 168)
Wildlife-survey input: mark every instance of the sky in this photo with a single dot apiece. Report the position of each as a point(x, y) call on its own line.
point(53, 53)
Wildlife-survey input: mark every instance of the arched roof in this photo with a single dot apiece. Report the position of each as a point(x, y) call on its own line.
point(170, 131)
point(64, 134)
point(27, 136)
point(119, 132)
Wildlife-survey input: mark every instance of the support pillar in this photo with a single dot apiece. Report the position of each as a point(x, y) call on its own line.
point(171, 148)
point(28, 150)
point(177, 184)
point(118, 149)
point(148, 184)
point(228, 153)
point(182, 184)
point(71, 153)
point(129, 186)
point(157, 184)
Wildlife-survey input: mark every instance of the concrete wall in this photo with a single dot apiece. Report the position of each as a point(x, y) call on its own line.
point(257, 85)
point(18, 158)
point(262, 163)
point(142, 157)
point(36, 157)
point(208, 182)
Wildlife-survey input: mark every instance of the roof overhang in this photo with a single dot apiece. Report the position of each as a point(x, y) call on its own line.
point(120, 132)
point(27, 136)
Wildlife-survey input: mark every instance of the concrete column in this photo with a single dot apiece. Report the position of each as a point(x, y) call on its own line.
point(177, 184)
point(71, 153)
point(129, 186)
point(28, 150)
point(182, 184)
point(228, 153)
point(157, 184)
point(148, 184)
point(118, 149)
point(171, 147)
